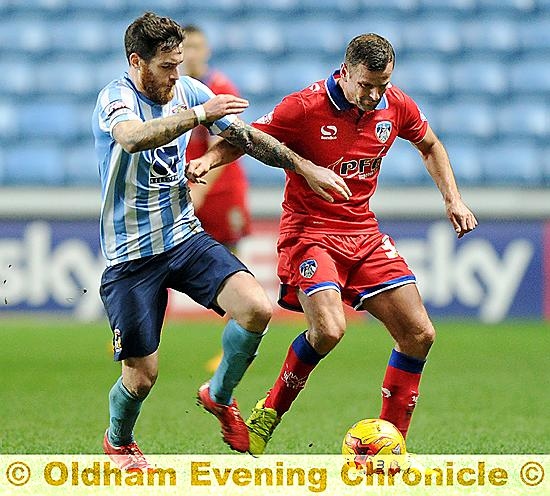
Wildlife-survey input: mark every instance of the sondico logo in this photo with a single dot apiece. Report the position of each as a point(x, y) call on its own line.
point(329, 132)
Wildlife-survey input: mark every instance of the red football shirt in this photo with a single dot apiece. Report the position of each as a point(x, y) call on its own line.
point(319, 124)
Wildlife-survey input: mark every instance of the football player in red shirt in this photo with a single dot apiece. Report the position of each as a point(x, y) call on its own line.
point(333, 253)
point(221, 204)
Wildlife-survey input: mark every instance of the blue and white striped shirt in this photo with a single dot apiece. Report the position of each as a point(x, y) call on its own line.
point(145, 207)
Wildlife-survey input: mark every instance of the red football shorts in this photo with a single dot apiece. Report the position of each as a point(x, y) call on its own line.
point(358, 266)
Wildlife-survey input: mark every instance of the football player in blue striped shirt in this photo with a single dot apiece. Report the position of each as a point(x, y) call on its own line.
point(151, 238)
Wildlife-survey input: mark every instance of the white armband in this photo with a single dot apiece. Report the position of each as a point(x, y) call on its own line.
point(199, 112)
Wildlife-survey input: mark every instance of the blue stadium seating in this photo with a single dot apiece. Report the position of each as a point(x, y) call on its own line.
point(422, 76)
point(2, 166)
point(531, 75)
point(468, 119)
point(489, 34)
point(465, 156)
point(403, 165)
point(534, 35)
point(474, 75)
point(34, 163)
point(512, 162)
point(80, 164)
point(479, 69)
point(523, 119)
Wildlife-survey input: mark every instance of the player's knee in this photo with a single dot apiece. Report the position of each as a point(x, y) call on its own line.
point(328, 334)
point(418, 344)
point(428, 336)
point(258, 314)
point(142, 384)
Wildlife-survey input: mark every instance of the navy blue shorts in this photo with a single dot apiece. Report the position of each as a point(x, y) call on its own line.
point(135, 293)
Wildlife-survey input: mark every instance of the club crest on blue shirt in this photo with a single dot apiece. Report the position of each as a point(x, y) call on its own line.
point(383, 131)
point(308, 268)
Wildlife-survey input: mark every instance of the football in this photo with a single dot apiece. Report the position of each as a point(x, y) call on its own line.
point(370, 438)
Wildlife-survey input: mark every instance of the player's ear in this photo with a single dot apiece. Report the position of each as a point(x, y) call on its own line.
point(344, 71)
point(134, 59)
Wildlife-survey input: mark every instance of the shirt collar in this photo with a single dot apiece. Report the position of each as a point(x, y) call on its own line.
point(336, 94)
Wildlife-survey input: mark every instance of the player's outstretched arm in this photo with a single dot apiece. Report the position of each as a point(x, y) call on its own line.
point(438, 165)
point(242, 138)
point(136, 136)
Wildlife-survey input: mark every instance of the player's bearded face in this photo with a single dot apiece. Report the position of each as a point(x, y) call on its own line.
point(158, 87)
point(158, 76)
point(365, 88)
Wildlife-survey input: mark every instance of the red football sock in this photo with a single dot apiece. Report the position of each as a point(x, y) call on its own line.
point(400, 390)
point(300, 360)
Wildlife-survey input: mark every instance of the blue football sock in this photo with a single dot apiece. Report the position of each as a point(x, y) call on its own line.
point(239, 349)
point(124, 409)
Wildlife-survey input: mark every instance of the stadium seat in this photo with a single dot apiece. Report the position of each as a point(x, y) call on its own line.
point(422, 76)
point(227, 7)
point(439, 34)
point(534, 34)
point(530, 75)
point(489, 33)
point(80, 164)
point(512, 162)
point(511, 7)
point(403, 166)
point(251, 76)
point(34, 163)
point(31, 34)
point(273, 6)
point(388, 27)
point(69, 76)
point(479, 75)
point(17, 77)
point(462, 7)
point(400, 7)
point(312, 36)
point(468, 118)
point(8, 120)
point(524, 119)
point(81, 35)
point(329, 6)
point(2, 167)
point(297, 74)
point(47, 120)
point(465, 156)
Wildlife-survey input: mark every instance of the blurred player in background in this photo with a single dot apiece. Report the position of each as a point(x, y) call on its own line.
point(151, 238)
point(334, 253)
point(221, 204)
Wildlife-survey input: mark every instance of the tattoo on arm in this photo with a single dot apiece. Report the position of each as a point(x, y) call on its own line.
point(158, 132)
point(261, 146)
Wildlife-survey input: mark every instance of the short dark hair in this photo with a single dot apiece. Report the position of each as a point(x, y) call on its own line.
point(150, 32)
point(371, 50)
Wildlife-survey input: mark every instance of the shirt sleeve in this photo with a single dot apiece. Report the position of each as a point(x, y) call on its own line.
point(117, 104)
point(198, 94)
point(413, 124)
point(285, 121)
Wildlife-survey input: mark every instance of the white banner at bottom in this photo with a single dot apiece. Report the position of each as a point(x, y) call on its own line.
point(273, 475)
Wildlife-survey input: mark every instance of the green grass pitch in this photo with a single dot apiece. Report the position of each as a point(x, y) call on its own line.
point(485, 389)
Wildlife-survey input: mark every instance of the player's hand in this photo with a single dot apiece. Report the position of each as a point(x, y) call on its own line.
point(461, 217)
point(196, 169)
point(222, 105)
point(323, 181)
